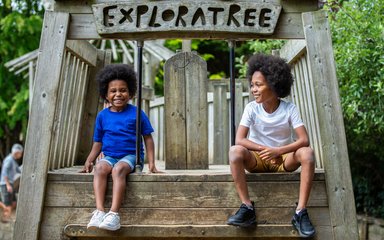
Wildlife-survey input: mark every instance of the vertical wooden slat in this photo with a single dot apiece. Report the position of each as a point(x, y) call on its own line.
point(63, 154)
point(91, 107)
point(336, 162)
point(175, 113)
point(196, 111)
point(312, 110)
point(80, 111)
point(63, 109)
point(53, 157)
point(39, 134)
point(220, 125)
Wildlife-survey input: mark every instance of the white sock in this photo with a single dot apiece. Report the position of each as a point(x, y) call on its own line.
point(114, 213)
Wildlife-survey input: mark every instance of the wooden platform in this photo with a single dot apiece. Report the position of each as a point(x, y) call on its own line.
point(191, 204)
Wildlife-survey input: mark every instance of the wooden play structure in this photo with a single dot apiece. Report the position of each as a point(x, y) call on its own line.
point(192, 199)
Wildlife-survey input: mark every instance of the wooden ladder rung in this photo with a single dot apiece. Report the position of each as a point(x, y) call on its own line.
point(201, 231)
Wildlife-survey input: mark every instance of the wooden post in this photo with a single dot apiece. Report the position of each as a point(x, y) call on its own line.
point(336, 162)
point(220, 123)
point(36, 157)
point(186, 112)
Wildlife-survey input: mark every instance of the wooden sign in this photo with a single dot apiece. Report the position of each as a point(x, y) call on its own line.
point(259, 17)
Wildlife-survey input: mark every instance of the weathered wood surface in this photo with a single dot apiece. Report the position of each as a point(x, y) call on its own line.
point(186, 113)
point(220, 125)
point(39, 135)
point(82, 21)
point(335, 154)
point(195, 232)
point(289, 27)
point(93, 103)
point(183, 199)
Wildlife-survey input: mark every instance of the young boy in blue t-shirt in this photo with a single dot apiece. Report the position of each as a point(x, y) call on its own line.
point(115, 137)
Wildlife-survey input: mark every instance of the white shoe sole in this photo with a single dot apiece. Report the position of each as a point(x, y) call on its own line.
point(109, 228)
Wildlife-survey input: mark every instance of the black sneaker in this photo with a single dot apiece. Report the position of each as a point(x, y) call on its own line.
point(302, 224)
point(244, 217)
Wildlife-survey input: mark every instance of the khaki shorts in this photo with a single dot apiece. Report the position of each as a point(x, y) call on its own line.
point(268, 166)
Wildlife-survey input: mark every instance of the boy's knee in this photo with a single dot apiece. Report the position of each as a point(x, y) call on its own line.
point(236, 153)
point(307, 155)
point(121, 169)
point(102, 169)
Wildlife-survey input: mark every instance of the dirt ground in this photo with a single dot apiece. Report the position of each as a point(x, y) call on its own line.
point(6, 229)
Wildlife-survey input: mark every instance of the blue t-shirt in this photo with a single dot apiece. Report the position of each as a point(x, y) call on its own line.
point(9, 169)
point(117, 131)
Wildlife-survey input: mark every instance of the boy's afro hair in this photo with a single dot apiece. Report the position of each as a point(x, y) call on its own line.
point(276, 71)
point(117, 72)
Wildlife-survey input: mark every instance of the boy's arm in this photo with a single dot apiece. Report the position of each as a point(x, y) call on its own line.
point(301, 141)
point(241, 139)
point(150, 151)
point(95, 151)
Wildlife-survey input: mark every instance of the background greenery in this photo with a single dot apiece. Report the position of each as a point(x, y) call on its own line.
point(358, 36)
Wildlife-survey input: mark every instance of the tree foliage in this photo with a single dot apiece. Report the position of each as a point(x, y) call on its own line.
point(20, 28)
point(358, 42)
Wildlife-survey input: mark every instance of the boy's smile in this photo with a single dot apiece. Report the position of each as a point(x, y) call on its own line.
point(117, 95)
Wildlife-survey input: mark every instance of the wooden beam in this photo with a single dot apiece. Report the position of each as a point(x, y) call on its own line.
point(82, 26)
point(334, 144)
point(36, 157)
point(83, 50)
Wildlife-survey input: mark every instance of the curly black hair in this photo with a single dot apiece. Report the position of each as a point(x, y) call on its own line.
point(276, 71)
point(117, 72)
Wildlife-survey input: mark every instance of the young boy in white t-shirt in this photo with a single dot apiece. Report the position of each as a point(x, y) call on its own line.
point(264, 142)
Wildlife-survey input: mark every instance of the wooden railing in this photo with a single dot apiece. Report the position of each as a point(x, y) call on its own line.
point(69, 113)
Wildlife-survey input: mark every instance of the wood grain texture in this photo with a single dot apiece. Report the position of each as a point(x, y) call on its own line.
point(39, 134)
point(335, 153)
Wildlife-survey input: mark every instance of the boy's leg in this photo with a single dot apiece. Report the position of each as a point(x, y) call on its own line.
point(102, 169)
point(120, 171)
point(240, 159)
point(119, 176)
point(305, 158)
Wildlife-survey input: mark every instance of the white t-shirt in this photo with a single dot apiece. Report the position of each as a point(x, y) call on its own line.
point(271, 129)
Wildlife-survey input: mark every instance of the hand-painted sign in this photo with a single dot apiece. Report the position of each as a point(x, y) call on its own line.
point(258, 17)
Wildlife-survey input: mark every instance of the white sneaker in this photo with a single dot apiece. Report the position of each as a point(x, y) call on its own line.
point(97, 218)
point(110, 222)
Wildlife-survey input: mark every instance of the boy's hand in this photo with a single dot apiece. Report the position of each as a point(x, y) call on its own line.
point(270, 154)
point(153, 169)
point(88, 167)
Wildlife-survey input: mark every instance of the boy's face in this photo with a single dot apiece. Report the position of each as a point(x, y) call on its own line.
point(117, 95)
point(260, 89)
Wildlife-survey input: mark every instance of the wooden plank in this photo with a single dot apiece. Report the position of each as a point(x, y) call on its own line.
point(196, 120)
point(175, 112)
point(290, 26)
point(193, 232)
point(293, 50)
point(180, 216)
point(216, 173)
point(221, 129)
point(39, 137)
point(83, 50)
point(185, 194)
point(336, 162)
